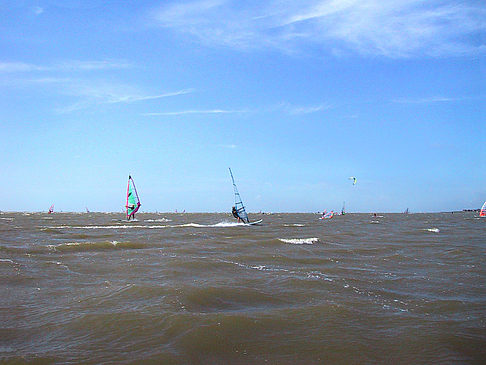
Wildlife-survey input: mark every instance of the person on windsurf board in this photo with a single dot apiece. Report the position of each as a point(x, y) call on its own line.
point(235, 214)
point(133, 201)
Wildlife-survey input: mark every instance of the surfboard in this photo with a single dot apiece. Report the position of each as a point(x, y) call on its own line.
point(254, 223)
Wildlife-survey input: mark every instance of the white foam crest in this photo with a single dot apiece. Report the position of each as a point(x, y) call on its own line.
point(300, 241)
point(435, 230)
point(196, 225)
point(228, 224)
point(108, 227)
point(8, 261)
point(72, 243)
point(158, 220)
point(7, 219)
point(217, 225)
point(294, 225)
point(318, 275)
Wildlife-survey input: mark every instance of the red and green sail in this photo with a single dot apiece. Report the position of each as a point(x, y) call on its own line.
point(133, 201)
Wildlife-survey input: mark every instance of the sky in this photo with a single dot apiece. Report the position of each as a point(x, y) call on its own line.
point(294, 96)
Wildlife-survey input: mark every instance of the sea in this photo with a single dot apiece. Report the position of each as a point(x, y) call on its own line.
point(171, 288)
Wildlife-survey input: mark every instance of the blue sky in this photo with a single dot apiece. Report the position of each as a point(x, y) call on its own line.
point(294, 96)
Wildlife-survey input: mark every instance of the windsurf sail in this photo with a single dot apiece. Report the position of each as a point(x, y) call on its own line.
point(406, 211)
point(51, 209)
point(354, 180)
point(482, 212)
point(239, 207)
point(133, 201)
point(327, 215)
point(343, 211)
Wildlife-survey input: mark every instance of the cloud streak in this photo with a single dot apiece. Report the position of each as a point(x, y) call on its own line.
point(434, 99)
point(94, 94)
point(66, 66)
point(394, 28)
point(186, 112)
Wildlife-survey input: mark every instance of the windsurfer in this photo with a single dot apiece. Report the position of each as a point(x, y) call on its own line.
point(132, 206)
point(235, 214)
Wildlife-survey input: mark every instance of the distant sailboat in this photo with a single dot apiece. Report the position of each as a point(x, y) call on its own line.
point(51, 209)
point(133, 201)
point(482, 212)
point(239, 209)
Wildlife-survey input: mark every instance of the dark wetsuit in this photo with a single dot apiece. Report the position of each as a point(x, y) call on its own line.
point(235, 213)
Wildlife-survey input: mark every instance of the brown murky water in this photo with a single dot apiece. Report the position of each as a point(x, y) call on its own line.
point(197, 288)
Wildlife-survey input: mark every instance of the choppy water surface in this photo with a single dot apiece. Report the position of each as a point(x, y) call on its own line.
point(197, 288)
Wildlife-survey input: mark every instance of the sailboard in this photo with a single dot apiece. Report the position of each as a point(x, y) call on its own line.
point(327, 215)
point(51, 209)
point(133, 201)
point(343, 211)
point(482, 212)
point(239, 207)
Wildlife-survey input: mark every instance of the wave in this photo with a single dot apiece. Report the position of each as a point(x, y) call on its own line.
point(300, 241)
point(435, 230)
point(8, 261)
point(216, 225)
point(294, 225)
point(88, 246)
point(108, 227)
point(130, 226)
point(158, 220)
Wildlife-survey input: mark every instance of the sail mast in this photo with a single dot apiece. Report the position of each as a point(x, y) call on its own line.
point(128, 193)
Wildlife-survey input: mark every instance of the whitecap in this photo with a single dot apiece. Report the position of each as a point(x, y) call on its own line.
point(8, 261)
point(435, 230)
point(107, 227)
point(300, 241)
point(158, 220)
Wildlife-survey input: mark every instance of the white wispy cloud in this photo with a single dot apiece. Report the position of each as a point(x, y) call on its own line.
point(307, 109)
point(65, 66)
point(75, 80)
point(90, 94)
point(184, 112)
point(391, 28)
point(37, 10)
point(293, 109)
point(19, 67)
point(434, 99)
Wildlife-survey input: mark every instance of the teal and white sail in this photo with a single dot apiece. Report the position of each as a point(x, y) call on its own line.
point(133, 201)
point(240, 208)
